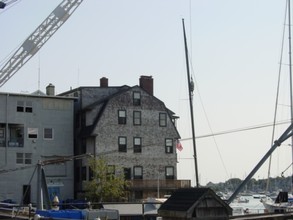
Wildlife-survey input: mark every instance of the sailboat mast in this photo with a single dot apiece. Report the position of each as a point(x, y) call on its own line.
point(190, 91)
point(290, 74)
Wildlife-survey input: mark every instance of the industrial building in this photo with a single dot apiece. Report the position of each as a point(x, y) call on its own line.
point(34, 128)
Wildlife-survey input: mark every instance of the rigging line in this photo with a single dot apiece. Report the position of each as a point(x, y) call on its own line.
point(282, 174)
point(190, 23)
point(16, 169)
point(277, 95)
point(208, 122)
point(237, 130)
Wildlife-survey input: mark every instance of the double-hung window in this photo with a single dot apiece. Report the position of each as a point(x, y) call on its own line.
point(136, 98)
point(122, 144)
point(136, 118)
point(169, 170)
point(23, 158)
point(169, 145)
point(137, 144)
point(122, 117)
point(163, 119)
point(24, 106)
point(137, 172)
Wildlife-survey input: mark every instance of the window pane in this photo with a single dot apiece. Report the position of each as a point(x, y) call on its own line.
point(137, 145)
point(29, 106)
point(2, 133)
point(163, 119)
point(20, 106)
point(28, 158)
point(122, 113)
point(136, 98)
point(169, 145)
point(19, 158)
point(122, 147)
point(48, 133)
point(169, 172)
point(137, 141)
point(122, 140)
point(169, 142)
point(127, 173)
point(136, 95)
point(121, 117)
point(136, 118)
point(138, 171)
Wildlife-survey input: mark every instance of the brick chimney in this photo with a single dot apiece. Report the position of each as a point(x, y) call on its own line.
point(146, 83)
point(104, 82)
point(50, 89)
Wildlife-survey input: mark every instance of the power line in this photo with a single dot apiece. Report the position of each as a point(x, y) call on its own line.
point(237, 130)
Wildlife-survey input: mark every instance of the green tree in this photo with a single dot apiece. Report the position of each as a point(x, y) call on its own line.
point(107, 184)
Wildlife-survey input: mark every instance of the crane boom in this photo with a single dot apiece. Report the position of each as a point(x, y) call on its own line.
point(38, 38)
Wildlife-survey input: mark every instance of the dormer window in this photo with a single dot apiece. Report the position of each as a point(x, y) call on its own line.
point(163, 119)
point(136, 98)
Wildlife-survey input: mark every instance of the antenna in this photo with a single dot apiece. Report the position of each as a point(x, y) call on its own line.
point(39, 72)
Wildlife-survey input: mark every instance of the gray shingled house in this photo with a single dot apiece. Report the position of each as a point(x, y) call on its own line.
point(194, 203)
point(133, 130)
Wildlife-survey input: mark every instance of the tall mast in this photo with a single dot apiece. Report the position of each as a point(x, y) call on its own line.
point(190, 91)
point(290, 73)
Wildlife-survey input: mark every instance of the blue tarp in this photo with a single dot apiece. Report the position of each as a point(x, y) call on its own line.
point(67, 214)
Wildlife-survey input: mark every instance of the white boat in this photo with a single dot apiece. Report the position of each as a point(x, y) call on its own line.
point(259, 196)
point(242, 199)
point(281, 204)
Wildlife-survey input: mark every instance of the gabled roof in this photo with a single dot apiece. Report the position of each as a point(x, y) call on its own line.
point(38, 92)
point(185, 198)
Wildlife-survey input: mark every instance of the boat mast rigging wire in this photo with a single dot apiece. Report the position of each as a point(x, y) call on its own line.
point(290, 72)
point(277, 98)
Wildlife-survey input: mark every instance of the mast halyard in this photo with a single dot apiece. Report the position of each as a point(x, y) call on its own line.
point(290, 74)
point(190, 92)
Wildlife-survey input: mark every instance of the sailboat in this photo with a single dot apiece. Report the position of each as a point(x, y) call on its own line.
point(284, 200)
point(283, 203)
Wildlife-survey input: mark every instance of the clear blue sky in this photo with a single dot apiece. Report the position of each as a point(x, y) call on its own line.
point(234, 48)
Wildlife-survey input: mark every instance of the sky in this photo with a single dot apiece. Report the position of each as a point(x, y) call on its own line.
point(234, 50)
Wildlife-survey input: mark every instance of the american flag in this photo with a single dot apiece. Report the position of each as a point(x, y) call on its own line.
point(179, 145)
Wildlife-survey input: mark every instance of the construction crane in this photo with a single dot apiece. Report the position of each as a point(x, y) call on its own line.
point(38, 38)
point(3, 4)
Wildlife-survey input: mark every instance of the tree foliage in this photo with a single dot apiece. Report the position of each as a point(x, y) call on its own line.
point(253, 185)
point(107, 183)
